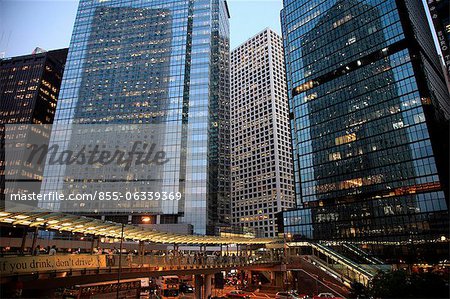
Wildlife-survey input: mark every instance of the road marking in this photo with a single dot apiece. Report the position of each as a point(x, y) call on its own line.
point(321, 282)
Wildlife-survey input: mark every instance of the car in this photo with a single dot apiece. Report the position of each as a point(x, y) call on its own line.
point(237, 294)
point(299, 296)
point(325, 295)
point(186, 288)
point(286, 295)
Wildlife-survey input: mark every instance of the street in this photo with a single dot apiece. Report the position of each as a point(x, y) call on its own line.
point(217, 292)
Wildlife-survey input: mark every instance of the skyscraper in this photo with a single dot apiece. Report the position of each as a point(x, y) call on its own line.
point(369, 116)
point(29, 89)
point(439, 11)
point(261, 163)
point(155, 62)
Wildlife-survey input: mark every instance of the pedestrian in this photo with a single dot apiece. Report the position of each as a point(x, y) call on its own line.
point(130, 259)
point(110, 258)
point(52, 250)
point(37, 250)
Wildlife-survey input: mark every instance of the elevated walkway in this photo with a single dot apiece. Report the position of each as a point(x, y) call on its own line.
point(105, 267)
point(60, 222)
point(340, 266)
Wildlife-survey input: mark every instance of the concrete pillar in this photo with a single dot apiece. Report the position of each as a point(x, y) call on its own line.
point(295, 280)
point(92, 244)
point(141, 252)
point(24, 240)
point(279, 278)
point(35, 235)
point(207, 290)
point(198, 283)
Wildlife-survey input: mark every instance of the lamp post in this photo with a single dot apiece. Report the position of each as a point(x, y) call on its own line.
point(120, 261)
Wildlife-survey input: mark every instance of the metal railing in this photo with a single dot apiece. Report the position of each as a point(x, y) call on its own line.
point(363, 275)
point(191, 261)
point(14, 265)
point(364, 255)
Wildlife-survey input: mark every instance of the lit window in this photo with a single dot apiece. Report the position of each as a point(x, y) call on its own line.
point(345, 139)
point(398, 125)
point(304, 87)
point(310, 97)
point(334, 156)
point(351, 41)
point(342, 21)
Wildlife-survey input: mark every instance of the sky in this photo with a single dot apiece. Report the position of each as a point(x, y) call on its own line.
point(27, 24)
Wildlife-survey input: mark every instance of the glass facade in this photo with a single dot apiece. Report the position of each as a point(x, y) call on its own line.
point(369, 118)
point(439, 12)
point(156, 62)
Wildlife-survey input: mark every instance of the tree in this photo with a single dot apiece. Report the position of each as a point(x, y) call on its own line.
point(358, 290)
point(398, 284)
point(393, 284)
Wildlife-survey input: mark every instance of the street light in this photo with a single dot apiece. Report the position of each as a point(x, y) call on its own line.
point(120, 261)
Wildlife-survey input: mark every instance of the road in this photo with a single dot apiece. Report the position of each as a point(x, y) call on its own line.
point(253, 295)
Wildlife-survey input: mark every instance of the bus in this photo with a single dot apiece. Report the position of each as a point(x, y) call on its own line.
point(128, 289)
point(169, 286)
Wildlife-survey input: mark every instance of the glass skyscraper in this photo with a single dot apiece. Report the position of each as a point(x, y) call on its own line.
point(154, 62)
point(439, 12)
point(369, 116)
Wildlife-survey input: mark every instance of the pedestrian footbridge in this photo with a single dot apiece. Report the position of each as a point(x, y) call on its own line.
point(59, 222)
point(71, 265)
point(201, 258)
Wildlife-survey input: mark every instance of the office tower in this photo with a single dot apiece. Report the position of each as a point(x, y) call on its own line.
point(439, 12)
point(261, 159)
point(154, 62)
point(29, 88)
point(369, 116)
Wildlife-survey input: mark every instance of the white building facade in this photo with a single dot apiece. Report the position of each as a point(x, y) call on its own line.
point(261, 156)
